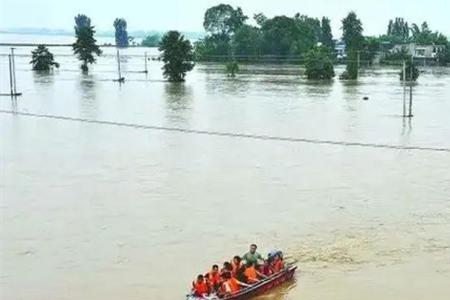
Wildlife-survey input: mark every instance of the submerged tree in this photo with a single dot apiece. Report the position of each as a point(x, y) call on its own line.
point(319, 65)
point(354, 41)
point(411, 72)
point(151, 40)
point(232, 68)
point(42, 59)
point(177, 56)
point(121, 35)
point(85, 45)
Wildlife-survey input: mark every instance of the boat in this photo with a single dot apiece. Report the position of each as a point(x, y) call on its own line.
point(256, 289)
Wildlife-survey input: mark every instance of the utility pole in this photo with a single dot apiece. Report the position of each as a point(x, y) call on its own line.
point(13, 62)
point(12, 76)
point(121, 79)
point(145, 56)
point(404, 89)
point(410, 87)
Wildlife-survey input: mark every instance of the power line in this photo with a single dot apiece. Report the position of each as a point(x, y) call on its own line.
point(229, 134)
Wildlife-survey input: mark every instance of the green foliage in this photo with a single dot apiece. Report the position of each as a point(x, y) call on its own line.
point(232, 68)
point(85, 45)
point(411, 71)
point(121, 33)
point(42, 59)
point(326, 37)
point(443, 56)
point(424, 36)
point(398, 29)
point(213, 48)
point(152, 40)
point(352, 32)
point(177, 56)
point(371, 47)
point(223, 19)
point(260, 19)
point(319, 65)
point(279, 36)
point(354, 41)
point(396, 57)
point(247, 41)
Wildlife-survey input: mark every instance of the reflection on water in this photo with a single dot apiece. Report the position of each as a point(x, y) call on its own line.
point(88, 101)
point(179, 99)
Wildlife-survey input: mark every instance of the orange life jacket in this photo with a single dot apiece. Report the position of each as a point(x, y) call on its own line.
point(200, 288)
point(230, 285)
point(250, 273)
point(278, 265)
point(214, 278)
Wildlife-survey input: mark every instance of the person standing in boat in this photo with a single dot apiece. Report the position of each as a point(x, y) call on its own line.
point(214, 277)
point(252, 256)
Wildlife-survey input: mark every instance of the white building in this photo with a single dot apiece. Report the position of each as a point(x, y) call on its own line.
point(419, 51)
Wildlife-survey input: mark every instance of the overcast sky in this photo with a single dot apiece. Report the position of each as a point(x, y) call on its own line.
point(187, 15)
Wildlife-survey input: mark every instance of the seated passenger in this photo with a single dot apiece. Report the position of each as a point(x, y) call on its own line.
point(236, 264)
point(277, 263)
point(266, 268)
point(200, 287)
point(252, 274)
point(230, 285)
point(214, 277)
point(227, 267)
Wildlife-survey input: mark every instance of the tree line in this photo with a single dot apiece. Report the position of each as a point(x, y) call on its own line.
point(230, 39)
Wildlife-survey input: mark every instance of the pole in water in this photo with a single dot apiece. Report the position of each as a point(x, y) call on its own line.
point(13, 63)
point(121, 79)
point(10, 75)
point(410, 88)
point(145, 56)
point(404, 89)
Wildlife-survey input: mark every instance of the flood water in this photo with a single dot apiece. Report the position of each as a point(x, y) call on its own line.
point(95, 211)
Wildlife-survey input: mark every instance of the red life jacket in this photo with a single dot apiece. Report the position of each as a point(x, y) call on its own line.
point(200, 288)
point(214, 278)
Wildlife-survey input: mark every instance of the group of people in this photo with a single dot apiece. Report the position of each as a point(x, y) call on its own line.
point(241, 272)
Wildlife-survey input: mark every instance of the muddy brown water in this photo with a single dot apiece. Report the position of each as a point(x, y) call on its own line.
point(92, 211)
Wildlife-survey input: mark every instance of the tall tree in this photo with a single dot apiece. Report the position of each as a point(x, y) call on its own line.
point(326, 37)
point(121, 35)
point(398, 29)
point(354, 41)
point(177, 56)
point(223, 19)
point(85, 45)
point(42, 59)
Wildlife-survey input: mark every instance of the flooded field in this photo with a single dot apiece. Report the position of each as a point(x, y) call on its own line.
point(96, 211)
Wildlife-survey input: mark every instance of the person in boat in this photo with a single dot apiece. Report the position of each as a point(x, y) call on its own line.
point(236, 263)
point(230, 285)
point(227, 267)
point(277, 264)
point(252, 274)
point(214, 277)
point(252, 256)
point(200, 287)
point(266, 268)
